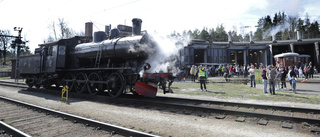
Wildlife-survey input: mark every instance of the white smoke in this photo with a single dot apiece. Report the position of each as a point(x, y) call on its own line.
point(166, 52)
point(274, 30)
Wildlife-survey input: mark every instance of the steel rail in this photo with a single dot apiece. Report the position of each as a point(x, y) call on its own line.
point(79, 119)
point(273, 107)
point(161, 101)
point(12, 131)
point(236, 112)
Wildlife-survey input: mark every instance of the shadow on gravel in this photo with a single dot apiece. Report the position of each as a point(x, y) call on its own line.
point(216, 92)
point(55, 95)
point(293, 95)
point(39, 93)
point(300, 91)
point(133, 102)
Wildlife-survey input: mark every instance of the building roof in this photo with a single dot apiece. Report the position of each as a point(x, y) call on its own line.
point(257, 43)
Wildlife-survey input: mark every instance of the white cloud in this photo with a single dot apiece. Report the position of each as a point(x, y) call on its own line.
point(163, 16)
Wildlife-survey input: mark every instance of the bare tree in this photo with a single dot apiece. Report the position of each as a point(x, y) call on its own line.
point(62, 29)
point(66, 32)
point(293, 21)
point(53, 27)
point(4, 41)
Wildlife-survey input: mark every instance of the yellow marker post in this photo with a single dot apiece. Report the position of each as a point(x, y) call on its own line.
point(65, 90)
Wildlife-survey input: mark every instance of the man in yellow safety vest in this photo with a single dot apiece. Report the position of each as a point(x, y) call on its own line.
point(202, 77)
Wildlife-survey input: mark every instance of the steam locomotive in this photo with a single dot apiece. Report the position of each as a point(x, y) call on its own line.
point(114, 63)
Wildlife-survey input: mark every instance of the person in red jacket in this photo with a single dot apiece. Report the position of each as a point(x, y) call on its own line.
point(231, 70)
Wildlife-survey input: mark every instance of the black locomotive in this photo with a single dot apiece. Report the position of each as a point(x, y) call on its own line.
point(111, 63)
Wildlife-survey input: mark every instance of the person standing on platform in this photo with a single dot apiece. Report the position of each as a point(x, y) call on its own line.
point(296, 70)
point(264, 79)
point(300, 73)
point(202, 77)
point(193, 72)
point(231, 70)
point(278, 79)
point(252, 76)
point(294, 84)
point(271, 75)
point(291, 74)
point(283, 75)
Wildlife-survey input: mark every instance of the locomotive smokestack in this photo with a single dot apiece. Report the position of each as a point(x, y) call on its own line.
point(136, 26)
point(251, 37)
point(298, 36)
point(274, 40)
point(229, 37)
point(88, 31)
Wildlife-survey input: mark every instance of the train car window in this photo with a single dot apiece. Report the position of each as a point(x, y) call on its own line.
point(62, 50)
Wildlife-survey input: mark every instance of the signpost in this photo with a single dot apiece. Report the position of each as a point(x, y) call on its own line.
point(65, 89)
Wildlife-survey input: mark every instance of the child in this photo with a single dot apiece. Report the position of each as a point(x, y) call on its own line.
point(294, 82)
point(300, 73)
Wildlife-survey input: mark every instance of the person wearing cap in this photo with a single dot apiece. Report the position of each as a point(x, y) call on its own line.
point(271, 76)
point(202, 77)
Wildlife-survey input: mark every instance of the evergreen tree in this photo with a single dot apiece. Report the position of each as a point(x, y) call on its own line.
point(307, 26)
point(220, 34)
point(204, 35)
point(258, 35)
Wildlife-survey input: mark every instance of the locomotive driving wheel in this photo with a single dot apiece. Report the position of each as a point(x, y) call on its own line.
point(69, 80)
point(116, 84)
point(81, 82)
point(37, 82)
point(94, 86)
point(30, 82)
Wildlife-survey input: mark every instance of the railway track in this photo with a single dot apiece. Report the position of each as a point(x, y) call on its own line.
point(39, 121)
point(271, 112)
point(288, 117)
point(13, 84)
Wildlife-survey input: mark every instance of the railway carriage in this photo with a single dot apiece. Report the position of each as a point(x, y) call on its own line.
point(303, 58)
point(287, 59)
point(293, 59)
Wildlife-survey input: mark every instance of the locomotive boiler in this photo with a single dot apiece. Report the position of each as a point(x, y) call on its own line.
point(112, 63)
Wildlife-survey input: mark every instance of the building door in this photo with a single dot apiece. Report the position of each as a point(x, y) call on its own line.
point(199, 56)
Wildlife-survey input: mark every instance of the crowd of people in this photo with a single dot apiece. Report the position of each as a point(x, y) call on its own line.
point(203, 72)
point(215, 71)
point(276, 76)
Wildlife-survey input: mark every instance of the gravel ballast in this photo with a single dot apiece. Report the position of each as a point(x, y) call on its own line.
point(156, 121)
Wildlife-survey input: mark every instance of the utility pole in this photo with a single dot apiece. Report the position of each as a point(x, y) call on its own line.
point(18, 41)
point(16, 44)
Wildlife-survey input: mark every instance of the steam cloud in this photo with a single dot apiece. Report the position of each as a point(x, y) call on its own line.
point(166, 51)
point(274, 30)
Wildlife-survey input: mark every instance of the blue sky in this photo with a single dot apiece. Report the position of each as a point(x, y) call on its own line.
point(162, 16)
